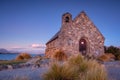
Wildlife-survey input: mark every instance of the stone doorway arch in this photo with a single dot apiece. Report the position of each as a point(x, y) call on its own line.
point(83, 46)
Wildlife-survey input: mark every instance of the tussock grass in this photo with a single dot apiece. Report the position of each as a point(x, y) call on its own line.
point(60, 72)
point(76, 68)
point(23, 56)
point(60, 55)
point(106, 57)
point(78, 62)
point(87, 69)
point(94, 71)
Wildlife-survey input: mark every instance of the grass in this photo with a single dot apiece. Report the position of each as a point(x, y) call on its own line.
point(60, 72)
point(10, 62)
point(94, 71)
point(23, 56)
point(76, 68)
point(106, 57)
point(60, 55)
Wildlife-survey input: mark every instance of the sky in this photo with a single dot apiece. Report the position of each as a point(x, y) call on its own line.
point(26, 25)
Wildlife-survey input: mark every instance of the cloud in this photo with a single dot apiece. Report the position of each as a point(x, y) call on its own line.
point(38, 46)
point(33, 48)
point(18, 48)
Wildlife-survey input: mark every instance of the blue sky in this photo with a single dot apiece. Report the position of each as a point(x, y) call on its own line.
point(29, 24)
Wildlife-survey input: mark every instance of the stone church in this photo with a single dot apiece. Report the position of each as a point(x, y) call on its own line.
point(76, 36)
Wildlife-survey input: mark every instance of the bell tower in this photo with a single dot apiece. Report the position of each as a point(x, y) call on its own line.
point(66, 18)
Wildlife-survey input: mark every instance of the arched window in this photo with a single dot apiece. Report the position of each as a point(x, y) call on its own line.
point(83, 46)
point(67, 19)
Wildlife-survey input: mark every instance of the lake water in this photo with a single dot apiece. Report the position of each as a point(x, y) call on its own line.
point(13, 56)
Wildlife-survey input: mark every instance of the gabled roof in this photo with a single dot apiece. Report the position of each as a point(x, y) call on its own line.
point(83, 12)
point(54, 37)
point(57, 34)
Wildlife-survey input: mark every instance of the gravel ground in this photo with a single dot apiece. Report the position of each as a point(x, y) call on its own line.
point(112, 68)
point(17, 74)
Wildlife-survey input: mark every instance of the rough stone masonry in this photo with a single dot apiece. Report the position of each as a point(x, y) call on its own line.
point(76, 36)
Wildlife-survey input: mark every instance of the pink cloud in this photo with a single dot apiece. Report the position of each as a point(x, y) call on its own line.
point(33, 48)
point(38, 46)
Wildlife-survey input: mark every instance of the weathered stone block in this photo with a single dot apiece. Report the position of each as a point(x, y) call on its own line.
point(78, 36)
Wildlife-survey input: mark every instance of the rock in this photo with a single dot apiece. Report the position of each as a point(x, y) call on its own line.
point(3, 67)
point(34, 60)
point(38, 56)
point(10, 66)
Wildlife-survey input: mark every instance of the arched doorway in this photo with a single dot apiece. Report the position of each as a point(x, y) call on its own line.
point(83, 46)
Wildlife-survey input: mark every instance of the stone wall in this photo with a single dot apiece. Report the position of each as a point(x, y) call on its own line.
point(70, 34)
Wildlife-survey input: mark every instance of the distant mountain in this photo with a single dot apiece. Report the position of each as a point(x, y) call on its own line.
point(4, 51)
point(14, 51)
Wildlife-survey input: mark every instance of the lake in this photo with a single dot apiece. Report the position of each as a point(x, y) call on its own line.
point(13, 56)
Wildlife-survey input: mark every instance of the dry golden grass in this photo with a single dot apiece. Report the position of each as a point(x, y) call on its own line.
point(78, 62)
point(94, 71)
point(23, 56)
point(60, 72)
point(106, 57)
point(60, 55)
point(76, 68)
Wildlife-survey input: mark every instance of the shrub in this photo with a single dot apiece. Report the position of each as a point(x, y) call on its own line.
point(103, 58)
point(19, 57)
point(23, 56)
point(78, 62)
point(95, 71)
point(60, 72)
point(114, 50)
point(26, 55)
point(60, 55)
point(76, 68)
point(117, 56)
point(87, 69)
point(106, 57)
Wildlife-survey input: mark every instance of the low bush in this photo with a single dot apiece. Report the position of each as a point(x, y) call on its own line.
point(87, 69)
point(19, 57)
point(94, 71)
point(106, 57)
point(76, 68)
point(60, 56)
point(23, 56)
point(78, 62)
point(60, 72)
point(114, 50)
point(118, 57)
